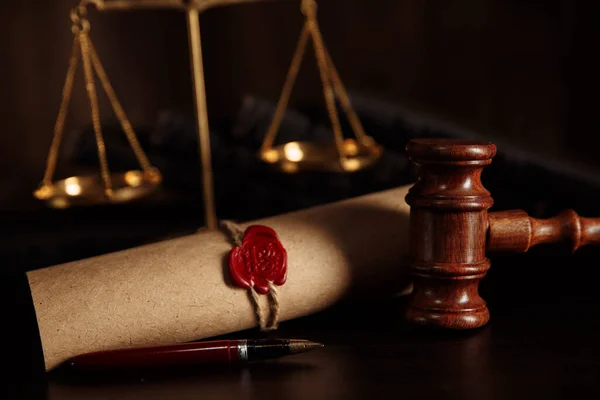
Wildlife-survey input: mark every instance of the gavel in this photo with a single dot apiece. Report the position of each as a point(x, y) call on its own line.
point(450, 230)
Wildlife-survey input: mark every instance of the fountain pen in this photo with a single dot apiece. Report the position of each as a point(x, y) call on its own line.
point(188, 354)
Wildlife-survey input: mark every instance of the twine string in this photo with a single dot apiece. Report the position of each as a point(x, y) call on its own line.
point(274, 306)
point(235, 233)
point(260, 315)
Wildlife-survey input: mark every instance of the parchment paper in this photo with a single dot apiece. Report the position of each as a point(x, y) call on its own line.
point(179, 290)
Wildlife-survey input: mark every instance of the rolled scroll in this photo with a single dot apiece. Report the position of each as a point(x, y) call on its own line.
point(179, 290)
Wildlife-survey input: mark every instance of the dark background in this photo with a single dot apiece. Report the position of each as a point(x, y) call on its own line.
point(522, 71)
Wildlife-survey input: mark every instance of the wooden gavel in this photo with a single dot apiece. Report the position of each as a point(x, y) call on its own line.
point(450, 230)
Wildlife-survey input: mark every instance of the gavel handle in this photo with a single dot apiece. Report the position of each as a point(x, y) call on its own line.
point(516, 231)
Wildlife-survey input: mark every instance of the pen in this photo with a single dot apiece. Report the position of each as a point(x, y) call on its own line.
point(194, 353)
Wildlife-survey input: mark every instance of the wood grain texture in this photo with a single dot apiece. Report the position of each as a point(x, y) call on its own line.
point(450, 225)
point(516, 231)
point(448, 222)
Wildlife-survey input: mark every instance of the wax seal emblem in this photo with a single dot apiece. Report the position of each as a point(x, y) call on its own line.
point(259, 259)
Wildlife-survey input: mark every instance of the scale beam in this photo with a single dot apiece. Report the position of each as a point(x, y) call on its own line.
point(199, 5)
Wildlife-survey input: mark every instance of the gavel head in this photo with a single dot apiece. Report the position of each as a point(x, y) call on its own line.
point(448, 224)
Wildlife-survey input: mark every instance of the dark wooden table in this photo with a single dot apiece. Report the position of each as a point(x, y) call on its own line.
point(543, 342)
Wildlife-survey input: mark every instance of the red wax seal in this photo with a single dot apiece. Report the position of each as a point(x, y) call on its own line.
point(259, 259)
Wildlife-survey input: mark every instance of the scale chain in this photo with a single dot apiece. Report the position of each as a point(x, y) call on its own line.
point(331, 81)
point(84, 50)
point(287, 89)
point(59, 125)
point(118, 109)
point(309, 8)
point(90, 87)
point(345, 102)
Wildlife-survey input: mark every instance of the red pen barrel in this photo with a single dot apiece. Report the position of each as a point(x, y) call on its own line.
point(195, 353)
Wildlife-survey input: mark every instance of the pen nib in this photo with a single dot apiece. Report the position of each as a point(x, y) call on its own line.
point(302, 346)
